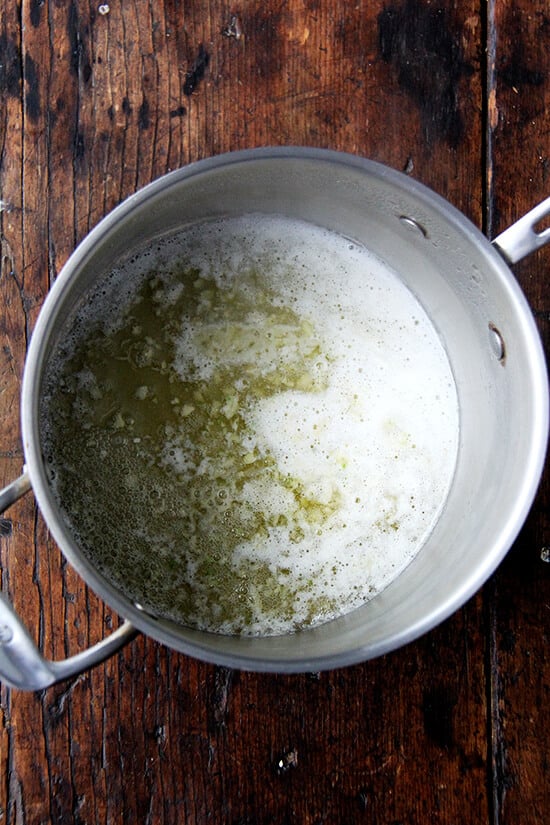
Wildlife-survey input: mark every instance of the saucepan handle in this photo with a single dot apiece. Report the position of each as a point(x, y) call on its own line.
point(21, 663)
point(523, 237)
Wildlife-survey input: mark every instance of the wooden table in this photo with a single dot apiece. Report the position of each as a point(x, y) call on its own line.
point(99, 99)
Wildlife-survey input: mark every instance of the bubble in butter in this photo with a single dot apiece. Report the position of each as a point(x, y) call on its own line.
point(251, 427)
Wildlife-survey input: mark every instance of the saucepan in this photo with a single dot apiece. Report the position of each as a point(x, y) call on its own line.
point(466, 287)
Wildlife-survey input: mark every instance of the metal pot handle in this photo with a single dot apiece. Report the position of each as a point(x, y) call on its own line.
point(21, 663)
point(522, 237)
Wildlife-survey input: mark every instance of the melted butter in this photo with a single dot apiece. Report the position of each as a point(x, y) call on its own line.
point(223, 438)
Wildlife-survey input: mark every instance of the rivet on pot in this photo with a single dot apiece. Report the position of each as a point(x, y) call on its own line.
point(497, 344)
point(6, 634)
point(140, 607)
point(413, 225)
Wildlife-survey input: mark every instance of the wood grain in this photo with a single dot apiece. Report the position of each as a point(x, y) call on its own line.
point(518, 603)
point(452, 728)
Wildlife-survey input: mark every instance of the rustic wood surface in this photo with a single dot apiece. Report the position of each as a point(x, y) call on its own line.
point(99, 99)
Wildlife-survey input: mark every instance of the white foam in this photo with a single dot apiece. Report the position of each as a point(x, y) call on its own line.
point(382, 436)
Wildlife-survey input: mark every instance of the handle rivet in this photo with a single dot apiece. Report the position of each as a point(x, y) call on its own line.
point(413, 225)
point(497, 343)
point(6, 634)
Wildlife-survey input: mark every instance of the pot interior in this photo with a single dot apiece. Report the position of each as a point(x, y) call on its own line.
point(474, 304)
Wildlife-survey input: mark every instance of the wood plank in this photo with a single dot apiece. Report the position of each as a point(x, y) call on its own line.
point(520, 592)
point(23, 285)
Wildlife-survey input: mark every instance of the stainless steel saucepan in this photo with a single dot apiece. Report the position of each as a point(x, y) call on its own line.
point(465, 285)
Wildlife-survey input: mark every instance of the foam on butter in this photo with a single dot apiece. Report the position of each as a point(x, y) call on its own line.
point(265, 435)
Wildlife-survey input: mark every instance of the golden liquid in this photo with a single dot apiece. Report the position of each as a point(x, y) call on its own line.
point(167, 538)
